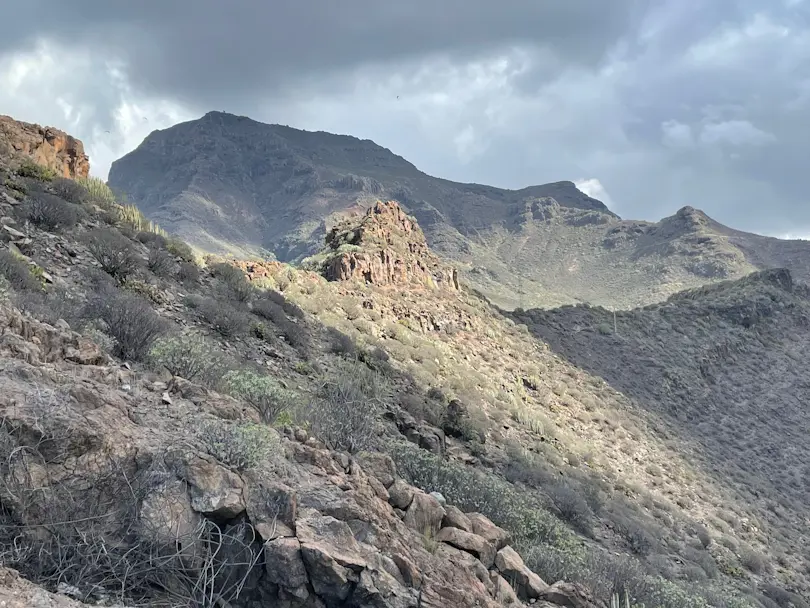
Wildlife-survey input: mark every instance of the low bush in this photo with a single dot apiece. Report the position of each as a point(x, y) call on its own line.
point(18, 273)
point(234, 279)
point(571, 506)
point(160, 261)
point(114, 252)
point(346, 411)
point(152, 239)
point(50, 306)
point(340, 343)
point(69, 190)
point(29, 168)
point(190, 355)
point(50, 212)
point(291, 308)
point(129, 319)
point(188, 273)
point(181, 249)
point(226, 319)
point(241, 446)
point(263, 392)
point(296, 334)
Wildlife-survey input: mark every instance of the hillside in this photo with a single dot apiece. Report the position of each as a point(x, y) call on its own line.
point(230, 184)
point(366, 431)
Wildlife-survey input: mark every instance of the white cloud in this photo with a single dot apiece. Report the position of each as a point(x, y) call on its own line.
point(91, 99)
point(736, 133)
point(594, 188)
point(676, 134)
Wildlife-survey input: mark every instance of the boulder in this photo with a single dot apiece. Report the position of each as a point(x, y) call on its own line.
point(332, 556)
point(502, 590)
point(483, 527)
point(272, 507)
point(400, 495)
point(214, 490)
point(378, 465)
point(471, 543)
point(570, 595)
point(526, 583)
point(425, 514)
point(454, 518)
point(284, 563)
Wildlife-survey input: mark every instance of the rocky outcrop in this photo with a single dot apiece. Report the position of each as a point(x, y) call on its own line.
point(45, 146)
point(305, 528)
point(386, 247)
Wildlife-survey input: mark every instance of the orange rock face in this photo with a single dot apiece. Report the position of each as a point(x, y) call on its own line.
point(46, 146)
point(386, 247)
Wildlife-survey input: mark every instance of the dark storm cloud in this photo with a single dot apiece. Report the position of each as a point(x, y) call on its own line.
point(220, 49)
point(659, 103)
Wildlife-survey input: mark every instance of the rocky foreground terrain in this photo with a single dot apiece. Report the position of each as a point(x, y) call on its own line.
point(226, 183)
point(365, 430)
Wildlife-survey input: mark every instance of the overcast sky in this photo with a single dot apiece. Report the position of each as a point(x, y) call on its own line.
point(650, 105)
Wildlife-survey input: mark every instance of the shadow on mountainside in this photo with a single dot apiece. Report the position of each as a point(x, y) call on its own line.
point(722, 368)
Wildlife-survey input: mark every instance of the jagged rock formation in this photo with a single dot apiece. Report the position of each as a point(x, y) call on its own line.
point(46, 146)
point(230, 184)
point(386, 247)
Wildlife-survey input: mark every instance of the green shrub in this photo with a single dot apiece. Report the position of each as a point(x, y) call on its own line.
point(133, 218)
point(241, 446)
point(190, 355)
point(263, 392)
point(182, 250)
point(114, 252)
point(29, 168)
point(99, 193)
point(476, 491)
point(17, 272)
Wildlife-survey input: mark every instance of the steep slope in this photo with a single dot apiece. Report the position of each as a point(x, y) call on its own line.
point(231, 184)
point(722, 368)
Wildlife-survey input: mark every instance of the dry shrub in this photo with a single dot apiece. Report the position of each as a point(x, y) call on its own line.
point(67, 189)
point(114, 252)
point(160, 261)
point(234, 280)
point(96, 542)
point(50, 212)
point(225, 318)
point(129, 319)
point(349, 402)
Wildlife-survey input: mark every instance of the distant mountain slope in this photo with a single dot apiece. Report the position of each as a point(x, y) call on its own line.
point(722, 368)
point(229, 183)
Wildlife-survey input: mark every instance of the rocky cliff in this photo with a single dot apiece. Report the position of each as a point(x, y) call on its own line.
point(385, 247)
point(46, 146)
